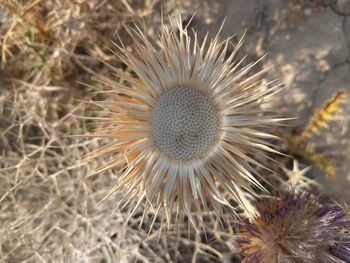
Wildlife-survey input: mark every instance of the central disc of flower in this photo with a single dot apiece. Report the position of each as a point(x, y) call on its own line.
point(184, 123)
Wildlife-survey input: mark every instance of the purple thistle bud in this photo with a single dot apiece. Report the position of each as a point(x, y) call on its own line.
point(296, 228)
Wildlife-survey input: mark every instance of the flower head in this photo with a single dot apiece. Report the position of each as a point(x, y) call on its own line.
point(295, 228)
point(189, 120)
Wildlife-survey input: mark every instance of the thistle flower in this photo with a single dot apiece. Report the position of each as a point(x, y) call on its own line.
point(296, 228)
point(189, 120)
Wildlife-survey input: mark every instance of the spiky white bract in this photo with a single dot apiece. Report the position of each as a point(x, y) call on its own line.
point(189, 121)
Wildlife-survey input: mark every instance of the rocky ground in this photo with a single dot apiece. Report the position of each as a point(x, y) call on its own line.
point(309, 40)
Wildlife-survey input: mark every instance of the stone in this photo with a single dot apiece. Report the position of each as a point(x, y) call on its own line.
point(341, 6)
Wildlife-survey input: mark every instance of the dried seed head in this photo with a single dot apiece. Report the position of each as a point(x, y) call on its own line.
point(190, 120)
point(295, 228)
point(184, 123)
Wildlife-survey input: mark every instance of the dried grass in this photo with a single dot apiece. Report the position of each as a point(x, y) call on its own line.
point(48, 204)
